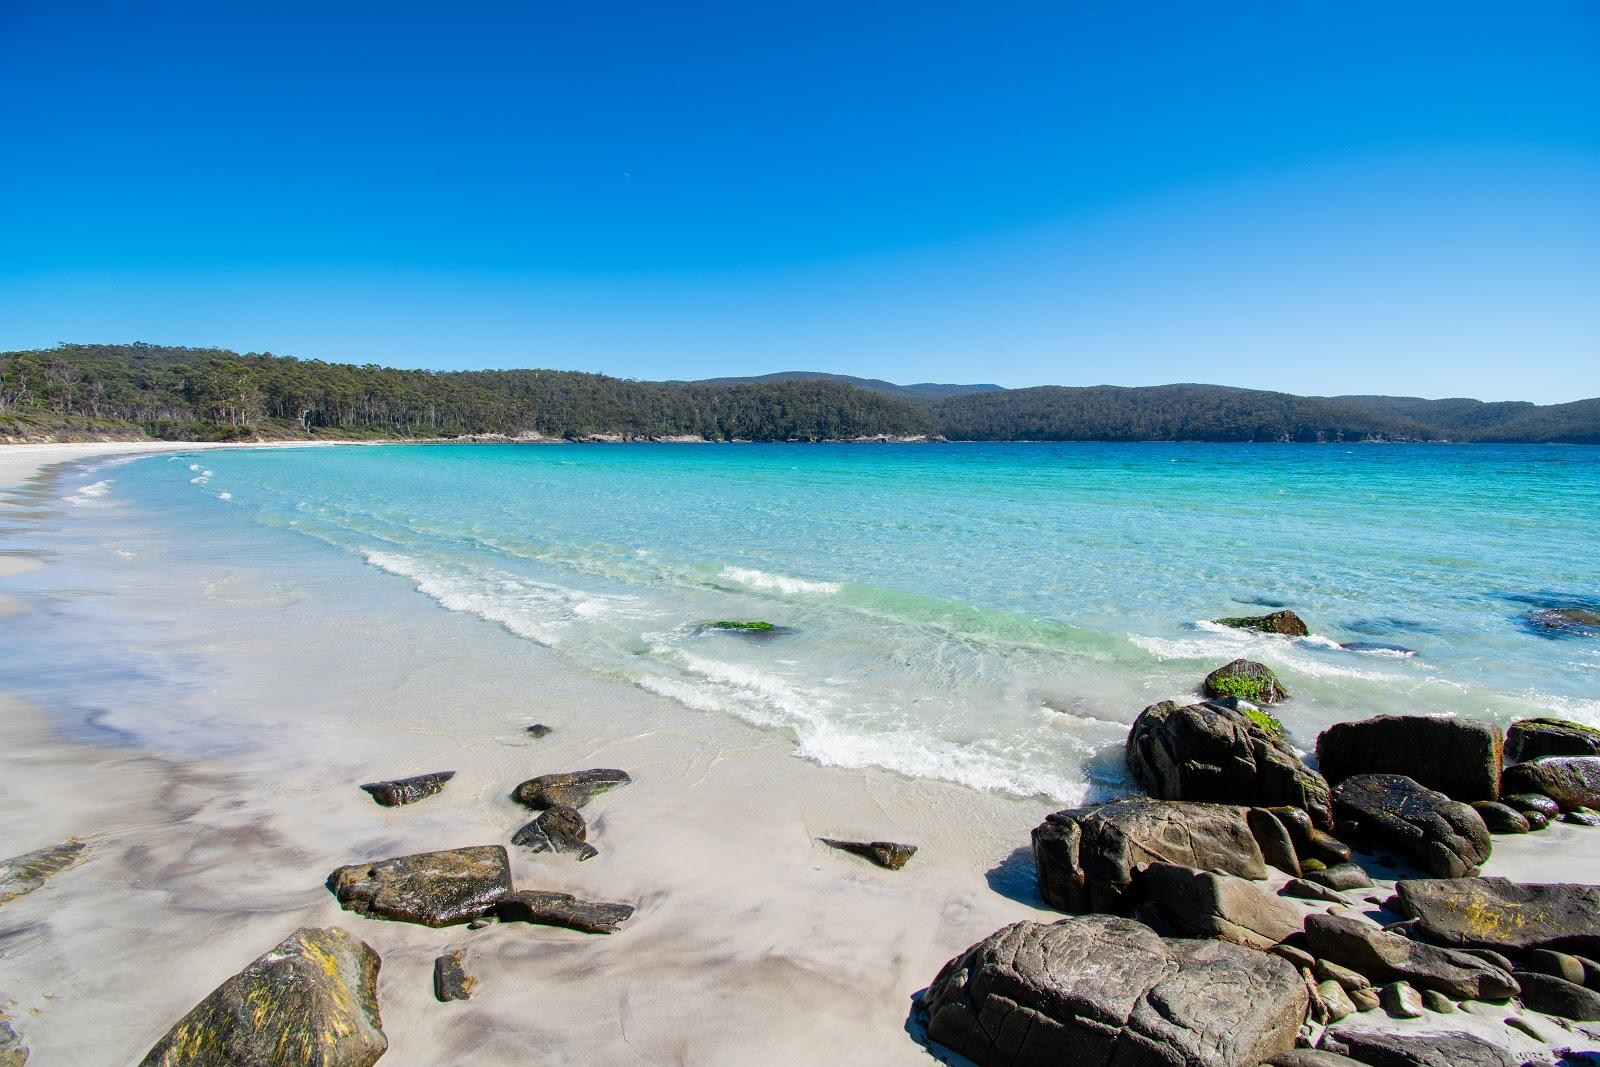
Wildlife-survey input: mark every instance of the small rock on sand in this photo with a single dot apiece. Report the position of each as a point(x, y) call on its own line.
point(399, 791)
point(888, 854)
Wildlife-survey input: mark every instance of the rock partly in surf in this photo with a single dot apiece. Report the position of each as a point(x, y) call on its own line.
point(887, 854)
point(1570, 781)
point(22, 874)
point(557, 829)
point(562, 909)
point(431, 888)
point(569, 789)
point(1286, 623)
point(1247, 680)
point(399, 791)
point(1528, 739)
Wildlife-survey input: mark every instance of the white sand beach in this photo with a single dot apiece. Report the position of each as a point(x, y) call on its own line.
point(751, 941)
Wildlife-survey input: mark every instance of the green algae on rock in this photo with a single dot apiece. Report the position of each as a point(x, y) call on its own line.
point(1247, 680)
point(1286, 623)
point(21, 875)
point(312, 1000)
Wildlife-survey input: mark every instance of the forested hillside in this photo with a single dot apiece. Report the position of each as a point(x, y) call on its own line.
point(143, 390)
point(918, 391)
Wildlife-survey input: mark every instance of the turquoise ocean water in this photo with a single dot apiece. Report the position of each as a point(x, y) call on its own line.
point(990, 614)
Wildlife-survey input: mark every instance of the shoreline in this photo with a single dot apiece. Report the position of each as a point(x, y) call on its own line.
point(197, 864)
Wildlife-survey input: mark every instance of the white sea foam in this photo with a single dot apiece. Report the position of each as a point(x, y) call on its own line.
point(777, 583)
point(456, 594)
point(224, 496)
point(194, 466)
point(91, 494)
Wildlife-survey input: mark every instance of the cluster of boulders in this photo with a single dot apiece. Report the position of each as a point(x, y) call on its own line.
point(1223, 919)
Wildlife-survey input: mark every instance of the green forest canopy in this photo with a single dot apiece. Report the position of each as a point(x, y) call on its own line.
point(139, 390)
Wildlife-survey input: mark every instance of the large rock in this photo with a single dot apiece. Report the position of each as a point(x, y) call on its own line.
point(1180, 902)
point(397, 791)
point(1443, 837)
point(1247, 680)
point(431, 888)
point(22, 874)
point(1557, 996)
point(1089, 858)
point(569, 789)
point(1388, 957)
point(1506, 916)
point(1211, 752)
point(1389, 1048)
point(562, 909)
point(557, 829)
point(1528, 739)
point(312, 1000)
point(1102, 990)
point(1458, 757)
point(1286, 623)
point(1571, 781)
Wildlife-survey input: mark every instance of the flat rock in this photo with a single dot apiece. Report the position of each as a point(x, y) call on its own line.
point(431, 888)
point(1214, 753)
point(562, 909)
point(1102, 990)
point(1389, 1048)
point(887, 854)
point(1286, 623)
point(408, 790)
point(1088, 859)
point(1557, 996)
point(1458, 757)
point(1388, 957)
point(1247, 680)
point(1181, 902)
point(1444, 837)
point(569, 789)
point(22, 874)
point(450, 978)
point(557, 829)
point(1506, 916)
point(1500, 818)
point(1528, 739)
point(1570, 781)
point(1304, 889)
point(1341, 876)
point(312, 1000)
point(1311, 1057)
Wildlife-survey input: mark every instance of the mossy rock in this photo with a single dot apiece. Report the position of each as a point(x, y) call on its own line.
point(1247, 680)
point(1266, 721)
point(1286, 623)
point(755, 625)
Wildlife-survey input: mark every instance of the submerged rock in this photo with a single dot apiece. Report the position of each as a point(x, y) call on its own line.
point(884, 853)
point(1101, 990)
point(569, 789)
point(557, 829)
point(1286, 623)
point(431, 888)
point(450, 978)
point(1212, 752)
point(562, 909)
point(1247, 680)
point(408, 790)
point(1570, 781)
point(21, 875)
point(1088, 859)
point(1506, 916)
point(1388, 957)
point(312, 1000)
point(1181, 902)
point(1458, 757)
point(1528, 739)
point(1390, 1048)
point(1564, 622)
point(1442, 836)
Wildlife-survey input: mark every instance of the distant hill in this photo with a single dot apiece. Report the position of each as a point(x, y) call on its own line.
point(139, 390)
point(919, 391)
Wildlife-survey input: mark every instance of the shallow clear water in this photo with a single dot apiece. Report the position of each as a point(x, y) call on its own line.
point(994, 615)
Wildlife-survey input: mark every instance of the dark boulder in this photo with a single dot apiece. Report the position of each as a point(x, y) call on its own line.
point(1388, 957)
point(886, 854)
point(557, 829)
point(431, 888)
point(539, 729)
point(1089, 858)
point(570, 789)
point(1560, 964)
point(1302, 889)
point(1215, 753)
point(1582, 817)
point(1310, 843)
point(1506, 916)
point(1458, 757)
point(1536, 820)
point(1532, 802)
point(1444, 837)
point(1500, 818)
point(399, 791)
point(1180, 902)
point(1286, 623)
point(1557, 996)
point(562, 909)
point(1528, 739)
point(1101, 990)
point(1389, 1048)
point(1247, 680)
point(1570, 781)
point(450, 978)
point(312, 1000)
point(22, 874)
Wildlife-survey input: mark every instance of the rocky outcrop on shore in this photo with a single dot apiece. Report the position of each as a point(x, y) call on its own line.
point(1528, 739)
point(1460, 758)
point(311, 1000)
point(1442, 836)
point(1571, 781)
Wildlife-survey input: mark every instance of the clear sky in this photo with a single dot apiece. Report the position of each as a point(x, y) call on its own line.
point(1320, 198)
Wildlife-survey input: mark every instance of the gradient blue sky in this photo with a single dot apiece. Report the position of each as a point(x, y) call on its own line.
point(1321, 198)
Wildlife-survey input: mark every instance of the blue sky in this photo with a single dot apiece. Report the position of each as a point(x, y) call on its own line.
point(1362, 197)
